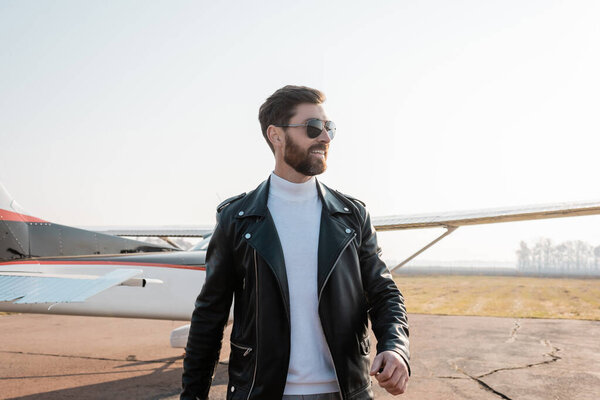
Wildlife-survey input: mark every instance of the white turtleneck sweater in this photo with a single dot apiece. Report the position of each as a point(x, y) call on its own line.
point(296, 210)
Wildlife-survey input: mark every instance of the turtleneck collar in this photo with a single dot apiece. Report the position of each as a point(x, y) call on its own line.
point(292, 191)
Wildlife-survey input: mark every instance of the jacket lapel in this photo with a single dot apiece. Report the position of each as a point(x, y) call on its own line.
point(263, 234)
point(334, 235)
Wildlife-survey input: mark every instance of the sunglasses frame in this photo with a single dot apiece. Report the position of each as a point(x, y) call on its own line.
point(330, 132)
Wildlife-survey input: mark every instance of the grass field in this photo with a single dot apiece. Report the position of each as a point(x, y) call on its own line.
point(502, 296)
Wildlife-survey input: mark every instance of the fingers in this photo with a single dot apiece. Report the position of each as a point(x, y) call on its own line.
point(388, 371)
point(376, 364)
point(394, 374)
point(396, 384)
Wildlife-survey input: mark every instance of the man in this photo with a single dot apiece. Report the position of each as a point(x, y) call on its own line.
point(301, 261)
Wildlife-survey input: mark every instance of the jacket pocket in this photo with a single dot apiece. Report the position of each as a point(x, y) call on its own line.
point(246, 349)
point(365, 346)
point(241, 367)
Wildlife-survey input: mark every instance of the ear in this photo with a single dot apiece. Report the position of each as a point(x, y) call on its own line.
point(275, 136)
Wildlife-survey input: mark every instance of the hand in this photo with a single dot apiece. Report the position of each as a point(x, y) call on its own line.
point(394, 373)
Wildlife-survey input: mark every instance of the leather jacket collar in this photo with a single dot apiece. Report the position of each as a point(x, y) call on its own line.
point(255, 203)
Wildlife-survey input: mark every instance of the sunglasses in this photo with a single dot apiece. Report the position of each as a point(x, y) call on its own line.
point(314, 127)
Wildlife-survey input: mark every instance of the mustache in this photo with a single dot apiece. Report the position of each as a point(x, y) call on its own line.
point(323, 147)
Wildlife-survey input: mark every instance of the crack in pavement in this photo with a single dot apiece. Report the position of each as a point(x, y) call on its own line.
point(551, 354)
point(129, 358)
point(513, 332)
point(451, 377)
point(482, 383)
point(553, 358)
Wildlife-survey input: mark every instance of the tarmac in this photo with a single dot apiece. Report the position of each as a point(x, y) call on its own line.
point(64, 357)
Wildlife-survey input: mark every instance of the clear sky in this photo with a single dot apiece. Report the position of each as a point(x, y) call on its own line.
point(145, 112)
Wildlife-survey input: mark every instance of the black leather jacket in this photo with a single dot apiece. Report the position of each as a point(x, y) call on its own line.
point(245, 262)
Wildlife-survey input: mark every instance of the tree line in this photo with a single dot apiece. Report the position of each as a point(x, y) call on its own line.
point(575, 257)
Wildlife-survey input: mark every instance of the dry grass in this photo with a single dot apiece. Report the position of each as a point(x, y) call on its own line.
point(502, 296)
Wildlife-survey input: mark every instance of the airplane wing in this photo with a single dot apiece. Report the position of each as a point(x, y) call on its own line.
point(452, 220)
point(394, 222)
point(154, 231)
point(485, 216)
point(33, 288)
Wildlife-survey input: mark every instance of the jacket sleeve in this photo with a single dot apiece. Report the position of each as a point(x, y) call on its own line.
point(386, 304)
point(209, 318)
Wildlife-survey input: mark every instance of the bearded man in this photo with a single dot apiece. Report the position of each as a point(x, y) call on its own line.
point(301, 261)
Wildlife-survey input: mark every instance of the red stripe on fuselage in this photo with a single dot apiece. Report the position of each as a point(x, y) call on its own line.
point(6, 215)
point(102, 263)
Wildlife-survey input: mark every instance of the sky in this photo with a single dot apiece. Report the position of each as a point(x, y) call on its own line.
point(145, 112)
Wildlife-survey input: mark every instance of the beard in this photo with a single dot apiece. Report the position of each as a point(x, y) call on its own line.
point(302, 161)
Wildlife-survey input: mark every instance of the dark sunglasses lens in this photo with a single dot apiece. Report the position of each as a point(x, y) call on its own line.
point(314, 127)
point(330, 127)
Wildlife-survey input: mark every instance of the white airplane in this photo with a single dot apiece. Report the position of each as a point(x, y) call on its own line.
point(56, 269)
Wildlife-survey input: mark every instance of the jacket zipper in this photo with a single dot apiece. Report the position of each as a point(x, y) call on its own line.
point(246, 349)
point(319, 302)
point(256, 325)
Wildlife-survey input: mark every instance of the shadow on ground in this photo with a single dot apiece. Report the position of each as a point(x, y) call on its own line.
point(161, 383)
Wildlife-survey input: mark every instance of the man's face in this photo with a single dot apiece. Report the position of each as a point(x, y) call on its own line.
point(305, 155)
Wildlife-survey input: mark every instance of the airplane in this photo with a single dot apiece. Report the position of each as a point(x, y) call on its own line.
point(50, 268)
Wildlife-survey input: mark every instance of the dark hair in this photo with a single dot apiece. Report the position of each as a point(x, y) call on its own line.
point(280, 107)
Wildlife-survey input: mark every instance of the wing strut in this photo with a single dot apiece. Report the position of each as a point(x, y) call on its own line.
point(449, 230)
point(168, 240)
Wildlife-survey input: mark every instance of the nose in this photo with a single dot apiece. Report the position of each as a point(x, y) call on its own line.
point(324, 136)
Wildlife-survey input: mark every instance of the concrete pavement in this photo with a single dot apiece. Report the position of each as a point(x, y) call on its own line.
point(64, 357)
